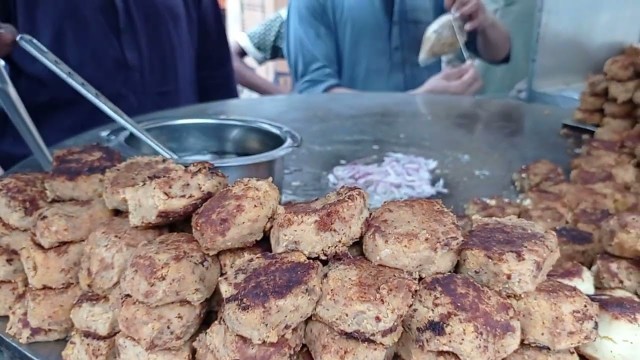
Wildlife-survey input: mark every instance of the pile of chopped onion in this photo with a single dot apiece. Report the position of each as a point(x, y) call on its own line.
point(398, 177)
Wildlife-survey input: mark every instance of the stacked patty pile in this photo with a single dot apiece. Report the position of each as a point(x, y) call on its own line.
point(612, 99)
point(57, 211)
point(595, 216)
point(324, 279)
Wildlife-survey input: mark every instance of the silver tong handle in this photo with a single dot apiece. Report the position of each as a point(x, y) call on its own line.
point(15, 109)
point(56, 65)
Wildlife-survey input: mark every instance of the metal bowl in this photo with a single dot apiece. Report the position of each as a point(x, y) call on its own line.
point(239, 147)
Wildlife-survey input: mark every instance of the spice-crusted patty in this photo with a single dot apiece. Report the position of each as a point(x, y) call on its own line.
point(21, 197)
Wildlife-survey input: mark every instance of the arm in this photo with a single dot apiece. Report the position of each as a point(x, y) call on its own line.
point(247, 77)
point(487, 37)
point(311, 48)
point(214, 67)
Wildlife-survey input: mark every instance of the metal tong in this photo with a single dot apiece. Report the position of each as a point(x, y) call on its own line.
point(20, 118)
point(46, 57)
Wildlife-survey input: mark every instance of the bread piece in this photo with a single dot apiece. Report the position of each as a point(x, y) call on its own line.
point(619, 68)
point(526, 352)
point(21, 329)
point(21, 197)
point(620, 235)
point(160, 327)
point(492, 207)
point(51, 308)
point(512, 256)
point(419, 236)
point(554, 303)
point(236, 216)
point(611, 272)
point(573, 274)
point(323, 227)
point(220, 343)
point(453, 313)
point(326, 343)
point(577, 245)
point(618, 335)
point(351, 300)
point(127, 348)
point(269, 294)
point(130, 173)
point(176, 196)
point(97, 314)
point(66, 222)
point(440, 38)
point(108, 251)
point(539, 174)
point(169, 269)
point(51, 268)
point(86, 347)
point(77, 173)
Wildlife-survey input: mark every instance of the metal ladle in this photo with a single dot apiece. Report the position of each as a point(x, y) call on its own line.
point(17, 113)
point(46, 57)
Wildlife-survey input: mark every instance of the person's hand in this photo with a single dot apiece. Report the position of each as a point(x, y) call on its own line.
point(8, 36)
point(461, 80)
point(472, 12)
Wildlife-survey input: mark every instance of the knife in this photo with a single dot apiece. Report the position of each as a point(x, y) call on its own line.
point(458, 32)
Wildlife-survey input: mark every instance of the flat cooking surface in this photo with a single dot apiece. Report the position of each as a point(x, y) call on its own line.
point(478, 142)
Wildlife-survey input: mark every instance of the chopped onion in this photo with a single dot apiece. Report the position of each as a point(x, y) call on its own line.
point(398, 177)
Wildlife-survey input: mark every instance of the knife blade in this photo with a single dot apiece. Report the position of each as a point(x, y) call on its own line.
point(465, 52)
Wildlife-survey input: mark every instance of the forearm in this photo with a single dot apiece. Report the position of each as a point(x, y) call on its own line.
point(494, 42)
point(248, 78)
point(340, 90)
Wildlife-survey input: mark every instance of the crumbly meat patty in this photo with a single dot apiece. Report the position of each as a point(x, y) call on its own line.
point(236, 216)
point(577, 245)
point(453, 313)
point(51, 308)
point(10, 294)
point(108, 251)
point(408, 349)
point(492, 207)
point(77, 173)
point(21, 197)
point(130, 173)
point(321, 228)
point(269, 294)
point(127, 348)
point(526, 352)
point(160, 327)
point(22, 330)
point(10, 266)
point(87, 347)
point(96, 314)
point(220, 343)
point(66, 222)
point(51, 268)
point(418, 236)
point(173, 197)
point(620, 235)
point(554, 303)
point(509, 255)
point(171, 268)
point(539, 174)
point(573, 274)
point(325, 343)
point(365, 301)
point(612, 272)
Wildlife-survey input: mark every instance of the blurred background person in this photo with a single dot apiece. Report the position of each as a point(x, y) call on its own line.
point(342, 46)
point(143, 55)
point(263, 43)
point(518, 16)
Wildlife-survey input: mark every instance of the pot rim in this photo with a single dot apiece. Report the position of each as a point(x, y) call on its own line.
point(116, 137)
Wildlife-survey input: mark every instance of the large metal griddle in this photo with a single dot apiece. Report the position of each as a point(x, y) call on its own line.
point(478, 142)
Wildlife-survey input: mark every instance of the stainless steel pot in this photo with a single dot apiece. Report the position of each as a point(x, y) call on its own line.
point(239, 147)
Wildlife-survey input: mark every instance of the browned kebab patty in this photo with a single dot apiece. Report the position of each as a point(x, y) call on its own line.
point(77, 173)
